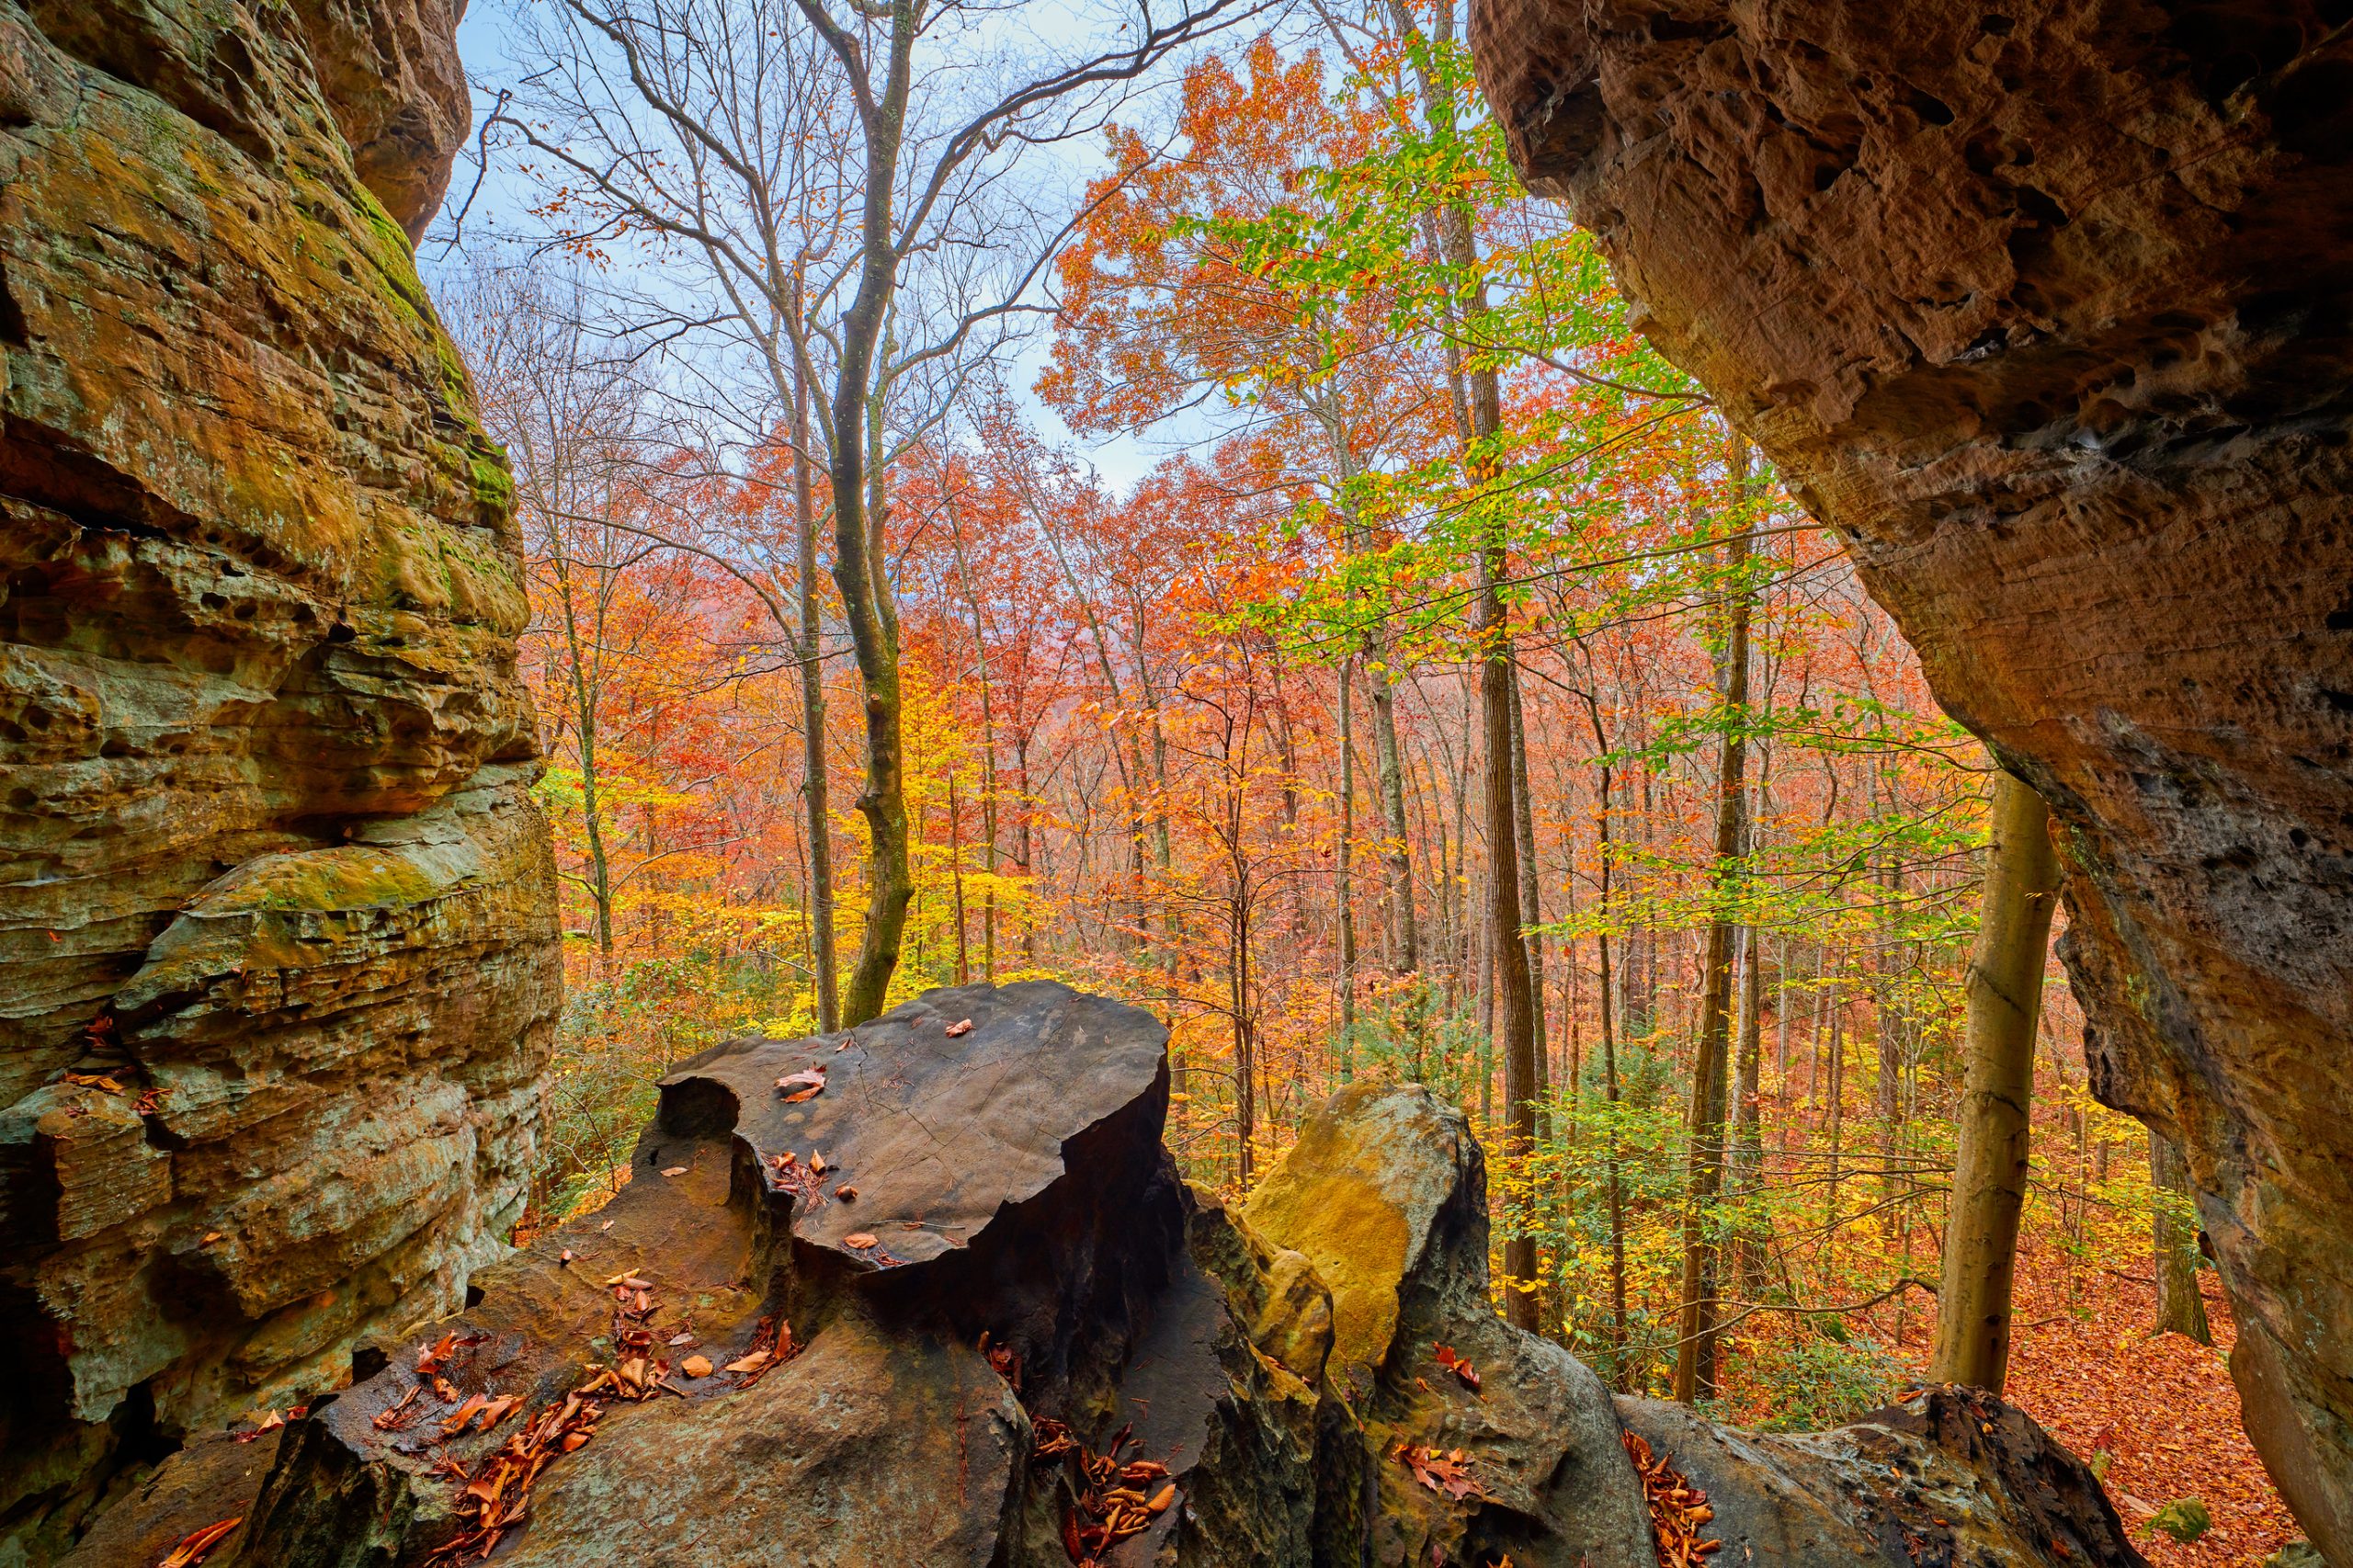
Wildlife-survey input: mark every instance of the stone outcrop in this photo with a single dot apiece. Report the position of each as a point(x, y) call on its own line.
point(276, 894)
point(996, 1312)
point(2042, 306)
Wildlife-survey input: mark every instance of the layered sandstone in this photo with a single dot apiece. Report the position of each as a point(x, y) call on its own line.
point(273, 880)
point(2044, 307)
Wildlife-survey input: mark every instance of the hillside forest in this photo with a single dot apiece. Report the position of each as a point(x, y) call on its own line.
point(1447, 694)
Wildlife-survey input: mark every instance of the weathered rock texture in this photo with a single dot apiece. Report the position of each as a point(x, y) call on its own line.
point(1016, 1260)
point(268, 856)
point(2044, 307)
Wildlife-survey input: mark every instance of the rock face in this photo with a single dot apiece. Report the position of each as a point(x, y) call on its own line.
point(2043, 306)
point(272, 871)
point(996, 1331)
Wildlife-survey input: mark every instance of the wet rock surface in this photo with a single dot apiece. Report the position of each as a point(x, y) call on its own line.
point(276, 890)
point(1092, 1362)
point(2043, 307)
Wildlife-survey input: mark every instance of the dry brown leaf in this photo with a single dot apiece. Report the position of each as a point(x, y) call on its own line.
point(1162, 1498)
point(675, 1171)
point(196, 1545)
point(817, 1162)
point(858, 1239)
point(752, 1363)
point(845, 1191)
point(961, 1027)
point(696, 1367)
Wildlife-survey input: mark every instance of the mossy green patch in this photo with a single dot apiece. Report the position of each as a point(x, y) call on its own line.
point(333, 880)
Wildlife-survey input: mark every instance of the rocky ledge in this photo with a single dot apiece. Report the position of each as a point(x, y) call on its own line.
point(932, 1293)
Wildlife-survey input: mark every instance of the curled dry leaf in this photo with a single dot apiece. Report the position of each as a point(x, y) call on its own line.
point(1678, 1509)
point(757, 1361)
point(196, 1545)
point(858, 1240)
point(696, 1365)
point(1162, 1498)
point(846, 1191)
point(674, 1170)
point(817, 1161)
point(805, 1084)
point(959, 1027)
point(566, 1256)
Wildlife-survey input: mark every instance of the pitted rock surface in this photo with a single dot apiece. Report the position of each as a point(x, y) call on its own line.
point(935, 1133)
point(2043, 307)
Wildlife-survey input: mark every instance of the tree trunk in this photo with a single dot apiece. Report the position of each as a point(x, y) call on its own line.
point(1695, 1354)
point(1532, 902)
point(1748, 1120)
point(813, 720)
point(2181, 1309)
point(1344, 890)
point(1990, 1175)
point(859, 525)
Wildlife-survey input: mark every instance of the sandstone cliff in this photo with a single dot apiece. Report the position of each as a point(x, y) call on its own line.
point(274, 888)
point(2044, 307)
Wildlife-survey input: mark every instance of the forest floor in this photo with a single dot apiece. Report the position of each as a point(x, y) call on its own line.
point(2162, 1406)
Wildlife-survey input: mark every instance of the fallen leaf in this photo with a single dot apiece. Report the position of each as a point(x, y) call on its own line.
point(566, 1257)
point(1448, 1473)
point(196, 1546)
point(696, 1365)
point(1459, 1364)
point(845, 1191)
point(801, 1085)
point(95, 1081)
point(209, 1237)
point(752, 1363)
point(677, 1339)
point(858, 1239)
point(1162, 1498)
point(675, 1170)
point(817, 1162)
point(961, 1027)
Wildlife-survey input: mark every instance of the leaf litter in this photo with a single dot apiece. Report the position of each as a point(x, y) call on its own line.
point(1113, 1496)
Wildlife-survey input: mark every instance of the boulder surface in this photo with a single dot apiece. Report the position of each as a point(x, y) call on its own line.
point(994, 1329)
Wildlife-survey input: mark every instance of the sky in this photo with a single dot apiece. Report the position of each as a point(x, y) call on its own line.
point(500, 197)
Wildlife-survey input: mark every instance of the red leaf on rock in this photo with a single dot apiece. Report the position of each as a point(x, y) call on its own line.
point(1459, 1364)
point(961, 1027)
point(1448, 1473)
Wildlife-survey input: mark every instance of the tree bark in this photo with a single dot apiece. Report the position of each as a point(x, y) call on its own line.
point(823, 957)
point(1695, 1352)
point(1990, 1175)
point(2181, 1309)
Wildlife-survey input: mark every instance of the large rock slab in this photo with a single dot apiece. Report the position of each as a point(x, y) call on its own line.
point(1952, 1476)
point(1088, 1363)
point(2041, 306)
point(272, 862)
